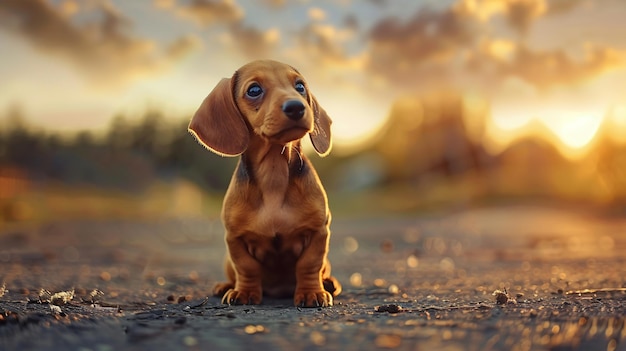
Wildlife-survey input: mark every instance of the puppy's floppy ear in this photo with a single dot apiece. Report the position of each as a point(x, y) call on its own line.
point(218, 123)
point(320, 136)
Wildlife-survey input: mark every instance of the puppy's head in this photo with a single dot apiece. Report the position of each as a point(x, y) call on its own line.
point(265, 99)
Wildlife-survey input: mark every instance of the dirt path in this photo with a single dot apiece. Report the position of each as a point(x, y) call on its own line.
point(422, 283)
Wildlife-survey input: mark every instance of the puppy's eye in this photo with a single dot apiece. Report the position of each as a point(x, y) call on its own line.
point(254, 90)
point(300, 88)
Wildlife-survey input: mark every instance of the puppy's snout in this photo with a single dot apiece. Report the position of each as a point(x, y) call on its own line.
point(293, 109)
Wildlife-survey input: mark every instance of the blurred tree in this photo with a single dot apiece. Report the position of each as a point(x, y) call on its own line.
point(145, 135)
point(22, 145)
point(119, 135)
point(129, 155)
point(426, 137)
point(607, 164)
point(192, 160)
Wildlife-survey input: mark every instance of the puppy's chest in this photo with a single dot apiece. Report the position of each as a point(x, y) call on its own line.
point(276, 215)
point(279, 227)
point(278, 232)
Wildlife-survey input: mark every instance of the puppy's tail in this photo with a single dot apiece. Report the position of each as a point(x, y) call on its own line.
point(332, 285)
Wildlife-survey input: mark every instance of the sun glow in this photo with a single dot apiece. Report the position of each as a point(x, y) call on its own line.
point(571, 131)
point(617, 119)
point(575, 131)
point(354, 122)
point(570, 119)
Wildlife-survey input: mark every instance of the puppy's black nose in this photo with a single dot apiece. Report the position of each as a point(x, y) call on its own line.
point(293, 109)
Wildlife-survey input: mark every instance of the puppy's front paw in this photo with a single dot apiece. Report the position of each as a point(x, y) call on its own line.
point(221, 288)
point(241, 297)
point(309, 298)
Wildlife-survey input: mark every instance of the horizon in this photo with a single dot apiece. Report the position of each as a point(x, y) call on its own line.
point(480, 127)
point(495, 136)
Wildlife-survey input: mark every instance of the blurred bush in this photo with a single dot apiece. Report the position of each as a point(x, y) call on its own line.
point(128, 155)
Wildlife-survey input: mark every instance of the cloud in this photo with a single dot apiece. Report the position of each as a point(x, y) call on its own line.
point(558, 7)
point(380, 3)
point(277, 4)
point(351, 22)
point(404, 53)
point(69, 7)
point(546, 69)
point(102, 49)
point(181, 47)
point(324, 45)
point(228, 17)
point(316, 14)
point(164, 4)
point(252, 42)
point(520, 14)
point(209, 12)
point(317, 42)
point(456, 47)
point(497, 61)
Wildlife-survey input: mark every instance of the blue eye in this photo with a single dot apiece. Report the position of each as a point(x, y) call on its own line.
point(254, 90)
point(300, 88)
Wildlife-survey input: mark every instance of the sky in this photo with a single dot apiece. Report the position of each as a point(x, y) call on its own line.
point(70, 65)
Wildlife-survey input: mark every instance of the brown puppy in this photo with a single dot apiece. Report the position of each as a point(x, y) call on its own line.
point(275, 210)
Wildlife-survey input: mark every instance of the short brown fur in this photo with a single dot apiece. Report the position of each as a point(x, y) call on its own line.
point(275, 210)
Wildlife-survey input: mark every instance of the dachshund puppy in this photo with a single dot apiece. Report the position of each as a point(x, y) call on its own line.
point(275, 211)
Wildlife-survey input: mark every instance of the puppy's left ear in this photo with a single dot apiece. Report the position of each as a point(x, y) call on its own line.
point(320, 136)
point(218, 123)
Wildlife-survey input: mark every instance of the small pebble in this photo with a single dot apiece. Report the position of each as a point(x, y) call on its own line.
point(55, 309)
point(501, 297)
point(389, 308)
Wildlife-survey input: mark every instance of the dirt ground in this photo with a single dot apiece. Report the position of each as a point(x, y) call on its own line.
point(513, 278)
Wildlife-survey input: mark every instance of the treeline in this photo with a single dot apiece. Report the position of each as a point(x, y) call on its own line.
point(429, 151)
point(128, 154)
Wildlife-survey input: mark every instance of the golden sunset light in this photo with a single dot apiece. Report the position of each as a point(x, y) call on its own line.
point(66, 59)
point(183, 174)
point(570, 129)
point(617, 123)
point(415, 89)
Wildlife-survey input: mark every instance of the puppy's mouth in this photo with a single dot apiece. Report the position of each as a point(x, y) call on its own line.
point(289, 134)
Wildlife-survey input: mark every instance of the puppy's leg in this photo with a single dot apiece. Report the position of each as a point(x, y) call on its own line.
point(310, 290)
point(248, 275)
point(221, 288)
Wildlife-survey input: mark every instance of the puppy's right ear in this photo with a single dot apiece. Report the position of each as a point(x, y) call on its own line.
point(218, 123)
